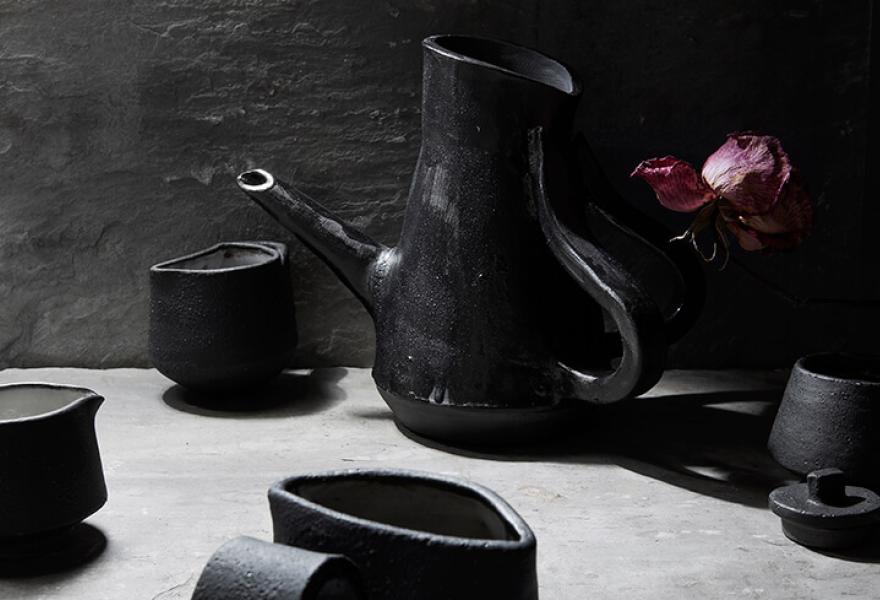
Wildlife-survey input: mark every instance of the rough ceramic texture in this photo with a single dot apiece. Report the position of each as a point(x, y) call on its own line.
point(413, 535)
point(492, 299)
point(830, 417)
point(223, 318)
point(50, 467)
point(249, 569)
point(123, 125)
point(824, 512)
point(670, 504)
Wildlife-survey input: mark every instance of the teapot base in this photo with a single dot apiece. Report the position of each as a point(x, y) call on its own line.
point(475, 427)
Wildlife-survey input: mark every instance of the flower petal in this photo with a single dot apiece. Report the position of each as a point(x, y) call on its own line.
point(790, 220)
point(748, 238)
point(676, 183)
point(748, 170)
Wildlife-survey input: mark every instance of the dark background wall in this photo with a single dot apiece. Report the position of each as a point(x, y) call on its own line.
point(122, 125)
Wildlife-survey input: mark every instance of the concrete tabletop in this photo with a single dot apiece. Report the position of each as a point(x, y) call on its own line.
point(663, 497)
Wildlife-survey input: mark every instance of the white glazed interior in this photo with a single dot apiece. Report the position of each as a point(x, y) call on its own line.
point(412, 505)
point(19, 402)
point(222, 258)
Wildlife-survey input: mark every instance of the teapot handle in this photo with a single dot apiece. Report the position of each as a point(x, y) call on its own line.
point(637, 317)
point(683, 265)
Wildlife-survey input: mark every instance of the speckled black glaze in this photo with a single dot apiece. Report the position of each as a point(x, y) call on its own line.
point(221, 328)
point(249, 569)
point(413, 535)
point(50, 468)
point(830, 417)
point(824, 512)
point(488, 314)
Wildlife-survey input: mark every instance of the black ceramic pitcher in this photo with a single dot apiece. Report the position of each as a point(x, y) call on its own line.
point(488, 312)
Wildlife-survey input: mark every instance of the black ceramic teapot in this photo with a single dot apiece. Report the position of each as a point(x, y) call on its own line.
point(488, 312)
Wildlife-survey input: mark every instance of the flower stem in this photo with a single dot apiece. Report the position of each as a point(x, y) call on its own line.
point(722, 234)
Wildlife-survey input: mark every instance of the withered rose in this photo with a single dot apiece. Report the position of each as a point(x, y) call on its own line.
point(747, 187)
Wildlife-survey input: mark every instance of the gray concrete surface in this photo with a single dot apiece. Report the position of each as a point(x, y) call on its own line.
point(124, 124)
point(663, 499)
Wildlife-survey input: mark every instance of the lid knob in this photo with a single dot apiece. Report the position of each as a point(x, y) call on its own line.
point(827, 486)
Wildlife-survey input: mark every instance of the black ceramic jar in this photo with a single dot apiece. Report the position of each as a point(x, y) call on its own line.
point(830, 417)
point(222, 319)
point(412, 534)
point(50, 469)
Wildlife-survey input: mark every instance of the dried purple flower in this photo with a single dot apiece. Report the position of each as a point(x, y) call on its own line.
point(748, 187)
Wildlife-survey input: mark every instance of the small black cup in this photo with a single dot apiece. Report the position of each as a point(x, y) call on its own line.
point(250, 569)
point(830, 417)
point(222, 319)
point(51, 478)
point(50, 467)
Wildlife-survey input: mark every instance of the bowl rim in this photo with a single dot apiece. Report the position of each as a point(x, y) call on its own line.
point(86, 396)
point(804, 366)
point(167, 266)
point(525, 536)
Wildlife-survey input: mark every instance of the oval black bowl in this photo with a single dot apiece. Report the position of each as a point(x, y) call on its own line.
point(413, 535)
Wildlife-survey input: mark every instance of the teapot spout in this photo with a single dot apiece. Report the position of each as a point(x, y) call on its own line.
point(349, 253)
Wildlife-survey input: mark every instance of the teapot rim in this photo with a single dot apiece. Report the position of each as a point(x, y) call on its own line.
point(434, 43)
point(525, 538)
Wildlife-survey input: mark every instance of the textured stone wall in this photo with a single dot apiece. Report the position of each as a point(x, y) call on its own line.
point(123, 124)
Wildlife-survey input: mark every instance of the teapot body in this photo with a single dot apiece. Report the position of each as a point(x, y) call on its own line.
point(478, 310)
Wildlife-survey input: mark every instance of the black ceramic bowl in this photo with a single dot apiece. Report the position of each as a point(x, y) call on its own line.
point(222, 319)
point(830, 417)
point(413, 535)
point(50, 469)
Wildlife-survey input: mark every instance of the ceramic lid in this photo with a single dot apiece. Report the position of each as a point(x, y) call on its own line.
point(825, 502)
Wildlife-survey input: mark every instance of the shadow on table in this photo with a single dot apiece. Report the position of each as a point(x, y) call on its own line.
point(290, 394)
point(57, 554)
point(378, 412)
point(869, 552)
point(710, 443)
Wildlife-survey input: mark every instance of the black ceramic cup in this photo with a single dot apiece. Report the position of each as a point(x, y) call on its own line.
point(222, 319)
point(249, 569)
point(830, 417)
point(412, 534)
point(50, 469)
